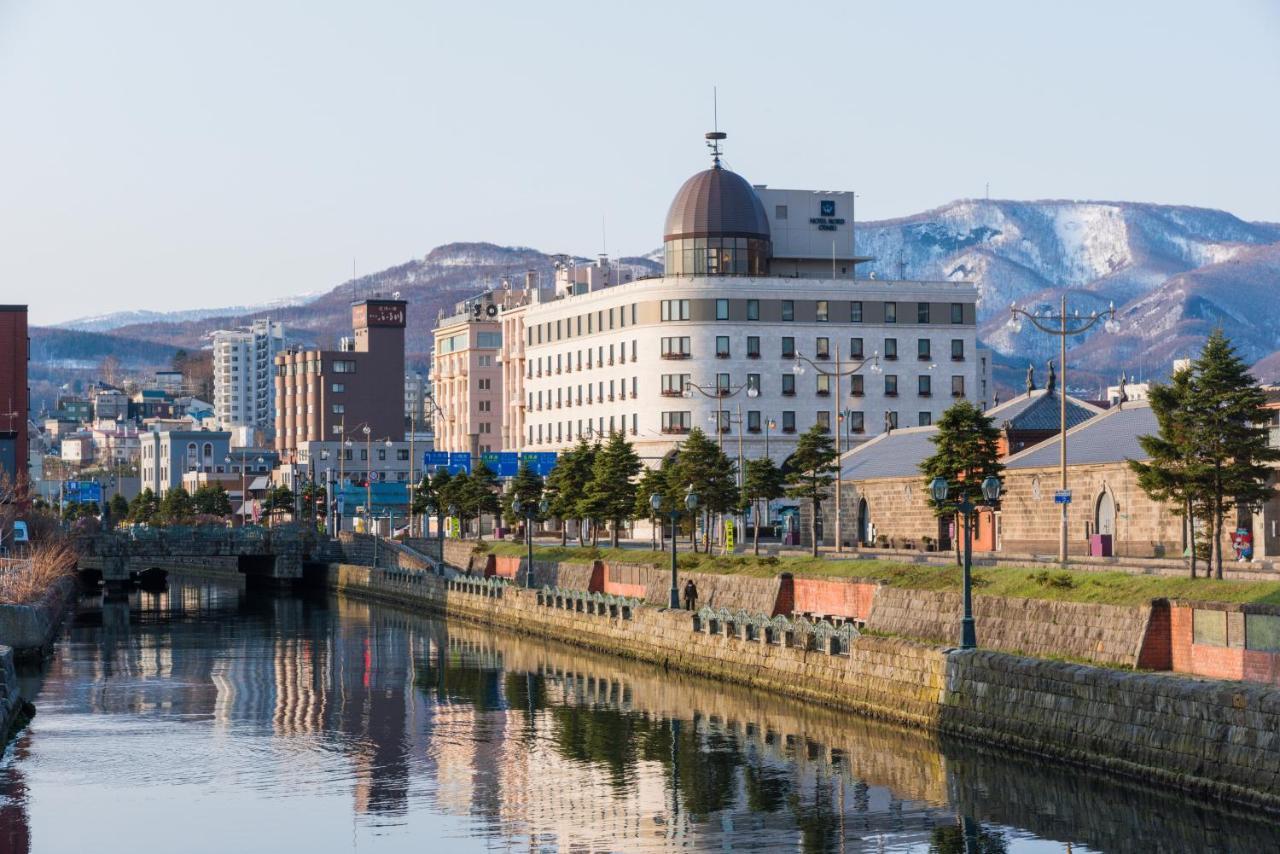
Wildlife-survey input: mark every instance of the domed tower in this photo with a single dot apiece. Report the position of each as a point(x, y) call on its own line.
point(716, 225)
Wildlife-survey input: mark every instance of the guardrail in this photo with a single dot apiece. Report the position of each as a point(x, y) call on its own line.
point(799, 633)
point(582, 601)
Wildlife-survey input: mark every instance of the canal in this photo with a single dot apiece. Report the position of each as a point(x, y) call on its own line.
point(208, 718)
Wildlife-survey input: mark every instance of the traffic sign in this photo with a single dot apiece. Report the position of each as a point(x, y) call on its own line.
point(435, 458)
point(82, 492)
point(459, 461)
point(728, 534)
point(542, 462)
point(1062, 496)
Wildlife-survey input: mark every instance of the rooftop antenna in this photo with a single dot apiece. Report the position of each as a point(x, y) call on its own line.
point(713, 138)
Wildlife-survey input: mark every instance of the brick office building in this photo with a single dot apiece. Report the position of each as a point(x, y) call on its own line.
point(15, 352)
point(332, 395)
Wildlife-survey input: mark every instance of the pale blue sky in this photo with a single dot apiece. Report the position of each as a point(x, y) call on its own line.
point(180, 154)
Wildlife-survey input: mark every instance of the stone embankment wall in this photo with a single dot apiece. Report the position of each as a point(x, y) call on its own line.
point(1206, 737)
point(29, 629)
point(14, 710)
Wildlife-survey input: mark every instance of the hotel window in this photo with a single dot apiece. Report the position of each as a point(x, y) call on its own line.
point(484, 384)
point(924, 385)
point(857, 423)
point(957, 349)
point(857, 385)
point(855, 348)
point(891, 348)
point(676, 422)
point(539, 329)
point(633, 314)
point(753, 381)
point(788, 384)
point(824, 385)
point(890, 385)
point(788, 347)
point(823, 348)
point(753, 309)
point(611, 354)
point(924, 419)
point(722, 346)
point(788, 310)
point(591, 321)
point(855, 312)
point(610, 318)
point(382, 454)
point(779, 211)
point(557, 330)
point(722, 309)
point(788, 421)
point(578, 325)
point(633, 349)
point(753, 421)
point(891, 312)
point(891, 420)
point(344, 366)
point(957, 386)
point(722, 384)
point(339, 409)
point(824, 421)
point(922, 349)
point(486, 361)
point(338, 388)
point(821, 311)
point(675, 309)
point(957, 312)
point(675, 348)
point(753, 346)
point(922, 312)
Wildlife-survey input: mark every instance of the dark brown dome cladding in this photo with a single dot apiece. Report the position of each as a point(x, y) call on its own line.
point(716, 226)
point(716, 202)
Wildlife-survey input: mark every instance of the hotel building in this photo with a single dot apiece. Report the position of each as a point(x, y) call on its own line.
point(757, 306)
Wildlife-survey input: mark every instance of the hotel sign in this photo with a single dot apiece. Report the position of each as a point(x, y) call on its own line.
point(826, 219)
point(378, 314)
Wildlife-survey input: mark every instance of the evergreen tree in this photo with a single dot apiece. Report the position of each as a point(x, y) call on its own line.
point(567, 482)
point(279, 499)
point(119, 508)
point(611, 494)
point(700, 463)
point(439, 492)
point(211, 499)
point(144, 507)
point(1173, 472)
point(651, 481)
point(527, 486)
point(176, 506)
point(810, 472)
point(967, 444)
point(762, 482)
point(483, 494)
point(1229, 434)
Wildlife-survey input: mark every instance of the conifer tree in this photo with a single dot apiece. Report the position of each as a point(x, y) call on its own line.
point(1173, 472)
point(482, 496)
point(967, 444)
point(143, 507)
point(527, 486)
point(700, 463)
point(176, 506)
point(567, 482)
point(652, 481)
point(611, 494)
point(810, 472)
point(762, 482)
point(119, 508)
point(1229, 435)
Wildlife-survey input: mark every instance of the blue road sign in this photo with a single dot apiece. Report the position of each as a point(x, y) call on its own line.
point(508, 464)
point(82, 492)
point(459, 461)
point(1062, 496)
point(435, 458)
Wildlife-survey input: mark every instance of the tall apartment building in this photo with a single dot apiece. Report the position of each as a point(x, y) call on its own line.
point(418, 411)
point(243, 377)
point(331, 395)
point(15, 352)
point(757, 306)
point(466, 374)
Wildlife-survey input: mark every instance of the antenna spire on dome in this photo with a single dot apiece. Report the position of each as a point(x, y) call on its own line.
point(714, 137)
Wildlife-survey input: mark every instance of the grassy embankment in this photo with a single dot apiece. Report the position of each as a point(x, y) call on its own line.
point(1111, 588)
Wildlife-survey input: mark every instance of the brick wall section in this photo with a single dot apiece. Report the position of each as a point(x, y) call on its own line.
point(842, 597)
point(1107, 634)
point(1204, 736)
point(1157, 640)
point(1219, 662)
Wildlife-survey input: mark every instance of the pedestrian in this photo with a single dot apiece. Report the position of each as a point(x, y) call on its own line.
point(690, 595)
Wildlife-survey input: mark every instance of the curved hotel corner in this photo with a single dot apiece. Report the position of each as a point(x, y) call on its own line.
point(757, 305)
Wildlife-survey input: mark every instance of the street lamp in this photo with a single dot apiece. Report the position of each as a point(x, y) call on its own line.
point(839, 373)
point(368, 475)
point(691, 504)
point(719, 393)
point(1066, 326)
point(939, 488)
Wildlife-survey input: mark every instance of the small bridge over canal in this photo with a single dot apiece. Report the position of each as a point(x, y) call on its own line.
point(270, 556)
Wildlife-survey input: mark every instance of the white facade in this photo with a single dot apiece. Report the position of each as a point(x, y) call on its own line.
point(617, 359)
point(244, 377)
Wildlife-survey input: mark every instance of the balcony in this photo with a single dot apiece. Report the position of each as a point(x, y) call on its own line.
point(675, 355)
point(671, 392)
point(675, 430)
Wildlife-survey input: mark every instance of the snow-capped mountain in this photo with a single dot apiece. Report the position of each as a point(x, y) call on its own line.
point(118, 319)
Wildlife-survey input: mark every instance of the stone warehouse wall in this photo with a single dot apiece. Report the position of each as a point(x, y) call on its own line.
point(1107, 634)
point(1193, 734)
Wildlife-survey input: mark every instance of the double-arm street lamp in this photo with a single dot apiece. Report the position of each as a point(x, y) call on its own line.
point(719, 392)
point(939, 488)
point(528, 509)
point(1064, 326)
point(655, 501)
point(839, 373)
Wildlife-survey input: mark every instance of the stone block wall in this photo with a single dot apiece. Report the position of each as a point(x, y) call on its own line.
point(1192, 734)
point(1107, 634)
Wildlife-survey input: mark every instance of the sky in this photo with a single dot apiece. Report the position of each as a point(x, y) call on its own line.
point(162, 155)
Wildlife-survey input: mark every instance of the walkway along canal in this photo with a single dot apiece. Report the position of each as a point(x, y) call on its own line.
point(205, 717)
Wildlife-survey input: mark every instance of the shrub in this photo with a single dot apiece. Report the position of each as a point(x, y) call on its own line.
point(1054, 580)
point(51, 561)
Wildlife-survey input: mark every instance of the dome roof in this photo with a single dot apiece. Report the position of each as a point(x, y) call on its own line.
point(716, 202)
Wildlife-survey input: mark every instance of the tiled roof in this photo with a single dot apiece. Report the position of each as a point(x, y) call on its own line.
point(894, 454)
point(1108, 438)
point(1040, 411)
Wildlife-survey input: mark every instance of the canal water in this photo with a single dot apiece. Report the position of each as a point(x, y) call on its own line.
point(210, 719)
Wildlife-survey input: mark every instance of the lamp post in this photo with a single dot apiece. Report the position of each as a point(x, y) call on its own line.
point(227, 460)
point(691, 504)
point(368, 473)
point(769, 424)
point(1063, 326)
point(839, 373)
point(453, 511)
point(527, 509)
point(991, 494)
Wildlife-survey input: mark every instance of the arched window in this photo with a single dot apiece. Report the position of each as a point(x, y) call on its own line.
point(208, 450)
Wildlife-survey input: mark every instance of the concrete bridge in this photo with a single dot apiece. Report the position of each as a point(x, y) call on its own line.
point(267, 556)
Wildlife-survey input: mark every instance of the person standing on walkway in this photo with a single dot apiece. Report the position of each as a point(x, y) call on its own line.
point(690, 595)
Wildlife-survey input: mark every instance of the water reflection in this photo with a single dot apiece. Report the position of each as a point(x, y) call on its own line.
point(207, 718)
